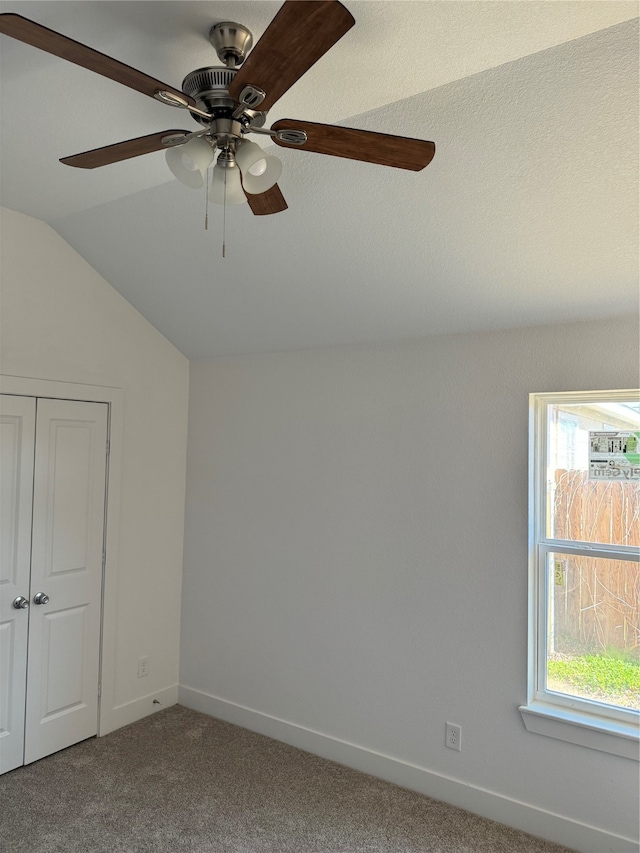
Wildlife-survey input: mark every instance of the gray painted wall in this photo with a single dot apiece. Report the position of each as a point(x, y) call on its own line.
point(356, 557)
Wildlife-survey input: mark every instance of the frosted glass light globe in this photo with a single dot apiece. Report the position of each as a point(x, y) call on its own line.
point(260, 171)
point(234, 192)
point(189, 162)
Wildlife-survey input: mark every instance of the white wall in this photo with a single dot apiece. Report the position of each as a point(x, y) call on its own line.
point(356, 564)
point(62, 321)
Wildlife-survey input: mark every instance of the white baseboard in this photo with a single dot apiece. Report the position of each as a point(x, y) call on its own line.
point(131, 712)
point(553, 827)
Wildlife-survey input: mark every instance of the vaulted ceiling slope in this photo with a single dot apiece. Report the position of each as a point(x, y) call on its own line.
point(528, 213)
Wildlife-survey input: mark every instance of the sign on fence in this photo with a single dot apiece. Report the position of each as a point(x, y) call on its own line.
point(614, 455)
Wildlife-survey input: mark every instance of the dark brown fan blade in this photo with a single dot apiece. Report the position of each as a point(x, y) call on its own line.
point(35, 34)
point(271, 201)
point(121, 150)
point(382, 148)
point(301, 32)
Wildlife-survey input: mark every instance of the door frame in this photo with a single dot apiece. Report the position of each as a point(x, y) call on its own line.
point(30, 387)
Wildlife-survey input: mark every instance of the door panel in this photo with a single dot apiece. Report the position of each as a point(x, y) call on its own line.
point(64, 638)
point(70, 486)
point(17, 436)
point(66, 564)
point(7, 654)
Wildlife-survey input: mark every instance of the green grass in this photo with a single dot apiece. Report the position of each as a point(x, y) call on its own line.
point(609, 675)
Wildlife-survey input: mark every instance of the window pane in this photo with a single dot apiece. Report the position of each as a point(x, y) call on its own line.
point(593, 639)
point(578, 508)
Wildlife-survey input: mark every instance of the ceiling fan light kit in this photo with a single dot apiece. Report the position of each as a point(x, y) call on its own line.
point(232, 101)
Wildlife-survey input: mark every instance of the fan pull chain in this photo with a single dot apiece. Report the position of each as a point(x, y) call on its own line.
point(206, 196)
point(224, 215)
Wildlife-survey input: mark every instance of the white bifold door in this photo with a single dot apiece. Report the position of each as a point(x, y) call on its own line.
point(53, 456)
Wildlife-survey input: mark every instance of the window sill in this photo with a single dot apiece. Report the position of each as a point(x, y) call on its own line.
point(583, 729)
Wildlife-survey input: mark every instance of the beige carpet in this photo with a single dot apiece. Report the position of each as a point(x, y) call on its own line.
point(182, 781)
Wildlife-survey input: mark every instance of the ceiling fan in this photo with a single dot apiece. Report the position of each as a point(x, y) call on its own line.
point(232, 101)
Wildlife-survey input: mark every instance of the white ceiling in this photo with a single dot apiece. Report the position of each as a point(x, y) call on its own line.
point(527, 214)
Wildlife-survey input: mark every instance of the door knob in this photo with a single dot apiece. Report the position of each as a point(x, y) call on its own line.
point(20, 603)
point(40, 598)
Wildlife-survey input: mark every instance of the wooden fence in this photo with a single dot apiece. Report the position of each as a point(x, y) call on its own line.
point(596, 601)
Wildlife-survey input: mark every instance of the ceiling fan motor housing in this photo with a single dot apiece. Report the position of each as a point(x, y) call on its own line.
point(209, 87)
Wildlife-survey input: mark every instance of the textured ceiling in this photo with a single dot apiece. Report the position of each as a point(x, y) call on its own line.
point(528, 213)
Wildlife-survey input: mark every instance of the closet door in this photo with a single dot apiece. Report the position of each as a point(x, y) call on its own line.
point(66, 575)
point(17, 430)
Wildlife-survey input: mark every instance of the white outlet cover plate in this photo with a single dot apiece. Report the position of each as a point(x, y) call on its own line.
point(453, 736)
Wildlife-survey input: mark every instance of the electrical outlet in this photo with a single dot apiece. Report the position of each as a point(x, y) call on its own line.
point(143, 666)
point(453, 738)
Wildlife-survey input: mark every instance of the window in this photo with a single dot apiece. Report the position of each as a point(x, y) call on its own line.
point(584, 652)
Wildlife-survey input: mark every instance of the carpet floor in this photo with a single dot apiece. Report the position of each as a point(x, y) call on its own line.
point(182, 781)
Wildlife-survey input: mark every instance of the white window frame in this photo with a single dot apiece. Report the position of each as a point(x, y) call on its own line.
point(581, 721)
